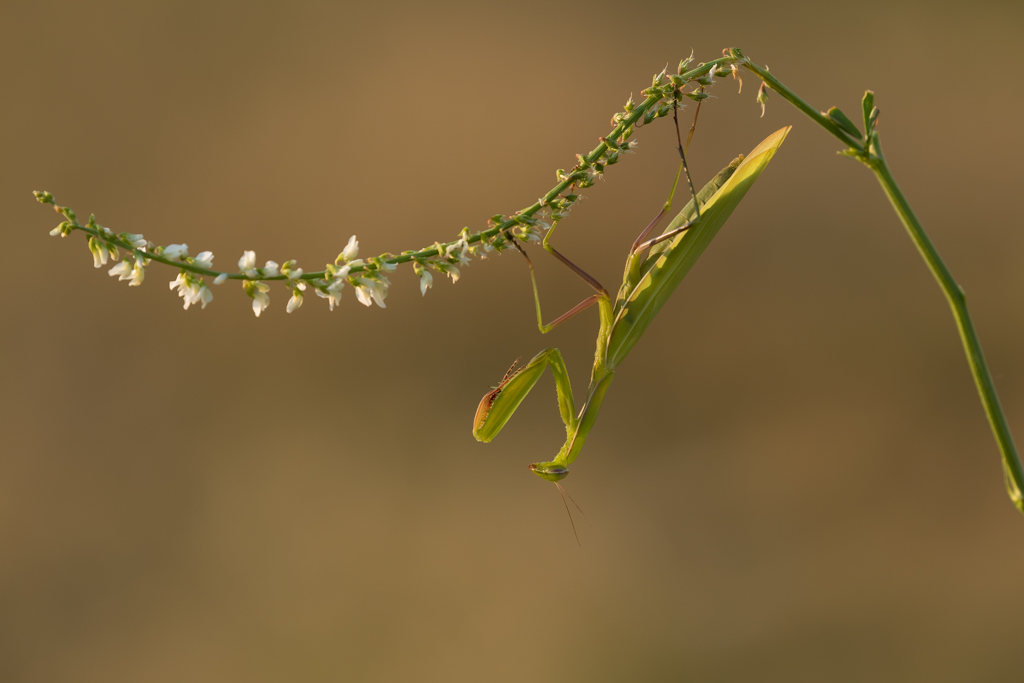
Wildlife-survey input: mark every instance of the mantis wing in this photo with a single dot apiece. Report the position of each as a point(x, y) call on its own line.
point(664, 273)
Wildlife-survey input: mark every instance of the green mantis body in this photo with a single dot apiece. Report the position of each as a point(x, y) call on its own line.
point(648, 281)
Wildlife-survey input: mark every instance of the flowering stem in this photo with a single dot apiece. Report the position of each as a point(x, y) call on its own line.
point(523, 217)
point(868, 150)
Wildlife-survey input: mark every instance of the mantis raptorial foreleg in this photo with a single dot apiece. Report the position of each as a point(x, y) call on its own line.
point(497, 406)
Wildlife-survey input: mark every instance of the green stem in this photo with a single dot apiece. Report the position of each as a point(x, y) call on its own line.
point(958, 302)
point(789, 95)
point(869, 152)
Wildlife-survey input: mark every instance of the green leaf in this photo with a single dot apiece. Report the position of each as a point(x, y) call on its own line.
point(868, 103)
point(841, 120)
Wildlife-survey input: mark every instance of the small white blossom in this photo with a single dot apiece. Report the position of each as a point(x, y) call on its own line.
point(247, 264)
point(258, 292)
point(138, 273)
point(126, 271)
point(351, 249)
point(453, 273)
point(220, 279)
point(426, 280)
point(371, 291)
point(122, 269)
point(205, 295)
point(204, 260)
point(269, 270)
point(290, 271)
point(137, 241)
point(333, 293)
point(388, 267)
point(464, 254)
point(99, 252)
point(295, 301)
point(192, 290)
point(175, 252)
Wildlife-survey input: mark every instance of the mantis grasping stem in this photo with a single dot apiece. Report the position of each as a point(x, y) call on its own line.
point(650, 278)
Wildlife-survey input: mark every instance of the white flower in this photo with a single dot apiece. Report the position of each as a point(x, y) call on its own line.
point(175, 252)
point(204, 260)
point(205, 295)
point(388, 267)
point(351, 249)
point(138, 273)
point(464, 254)
point(295, 301)
point(192, 289)
point(258, 292)
point(247, 264)
point(122, 269)
point(333, 293)
point(99, 252)
point(453, 273)
point(371, 291)
point(137, 241)
point(220, 279)
point(269, 270)
point(290, 271)
point(134, 272)
point(426, 280)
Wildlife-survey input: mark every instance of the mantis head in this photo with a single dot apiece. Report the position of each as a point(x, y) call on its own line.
point(551, 471)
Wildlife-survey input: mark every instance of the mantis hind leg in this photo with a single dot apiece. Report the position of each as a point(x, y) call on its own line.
point(639, 243)
point(586, 277)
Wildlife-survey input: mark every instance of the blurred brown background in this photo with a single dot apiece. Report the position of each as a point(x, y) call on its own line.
point(792, 478)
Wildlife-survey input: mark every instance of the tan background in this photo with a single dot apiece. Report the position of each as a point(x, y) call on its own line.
point(792, 479)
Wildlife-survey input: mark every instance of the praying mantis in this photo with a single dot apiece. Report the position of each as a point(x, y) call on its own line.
point(648, 281)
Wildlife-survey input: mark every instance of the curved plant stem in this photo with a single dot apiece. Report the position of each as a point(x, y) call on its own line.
point(523, 217)
point(868, 150)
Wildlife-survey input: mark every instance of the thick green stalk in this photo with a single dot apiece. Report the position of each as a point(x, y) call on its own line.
point(869, 151)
